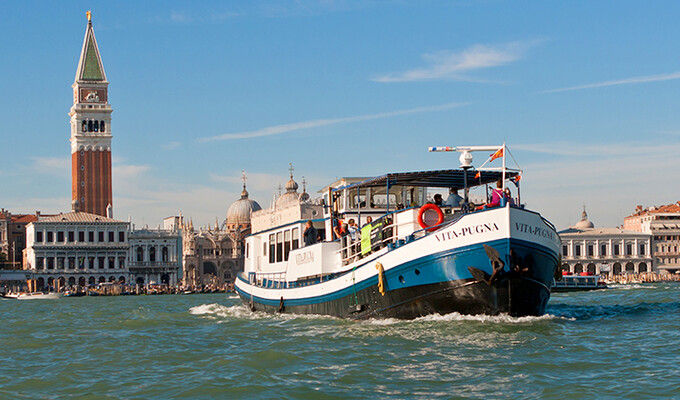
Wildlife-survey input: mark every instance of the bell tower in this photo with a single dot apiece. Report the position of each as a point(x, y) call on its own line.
point(91, 131)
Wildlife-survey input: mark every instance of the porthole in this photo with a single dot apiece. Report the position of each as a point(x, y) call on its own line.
point(417, 271)
point(401, 279)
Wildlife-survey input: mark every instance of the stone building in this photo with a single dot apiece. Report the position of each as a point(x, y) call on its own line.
point(605, 250)
point(77, 248)
point(214, 255)
point(663, 224)
point(13, 237)
point(156, 255)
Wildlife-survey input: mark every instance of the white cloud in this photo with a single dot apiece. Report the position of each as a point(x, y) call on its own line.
point(52, 165)
point(171, 145)
point(296, 126)
point(447, 65)
point(627, 81)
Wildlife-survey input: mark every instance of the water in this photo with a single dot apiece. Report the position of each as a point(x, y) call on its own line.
point(619, 343)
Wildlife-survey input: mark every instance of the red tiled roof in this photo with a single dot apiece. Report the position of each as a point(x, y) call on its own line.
point(668, 208)
point(24, 218)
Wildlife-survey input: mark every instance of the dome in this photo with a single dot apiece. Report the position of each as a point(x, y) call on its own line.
point(584, 223)
point(239, 212)
point(291, 196)
point(304, 196)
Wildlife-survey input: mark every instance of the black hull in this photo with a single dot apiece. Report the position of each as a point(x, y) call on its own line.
point(516, 296)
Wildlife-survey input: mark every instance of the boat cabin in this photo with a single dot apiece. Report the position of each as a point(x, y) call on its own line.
point(388, 211)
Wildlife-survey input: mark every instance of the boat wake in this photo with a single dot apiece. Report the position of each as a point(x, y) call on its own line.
point(456, 317)
point(240, 311)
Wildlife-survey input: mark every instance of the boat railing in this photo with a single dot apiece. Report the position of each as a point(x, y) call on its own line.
point(273, 280)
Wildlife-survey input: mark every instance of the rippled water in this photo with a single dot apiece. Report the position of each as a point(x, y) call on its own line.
point(619, 343)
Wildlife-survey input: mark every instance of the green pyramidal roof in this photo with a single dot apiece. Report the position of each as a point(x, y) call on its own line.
point(91, 70)
point(90, 67)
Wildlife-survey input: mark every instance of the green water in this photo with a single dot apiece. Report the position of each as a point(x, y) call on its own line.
point(619, 343)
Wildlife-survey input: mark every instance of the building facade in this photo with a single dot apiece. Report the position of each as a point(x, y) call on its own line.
point(91, 185)
point(598, 251)
point(13, 238)
point(77, 248)
point(156, 255)
point(663, 224)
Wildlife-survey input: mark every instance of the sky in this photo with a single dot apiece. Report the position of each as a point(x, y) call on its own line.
point(584, 93)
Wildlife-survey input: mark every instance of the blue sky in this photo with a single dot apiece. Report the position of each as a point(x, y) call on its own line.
point(585, 93)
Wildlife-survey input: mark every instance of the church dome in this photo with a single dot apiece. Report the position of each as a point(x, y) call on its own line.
point(239, 211)
point(291, 196)
point(584, 223)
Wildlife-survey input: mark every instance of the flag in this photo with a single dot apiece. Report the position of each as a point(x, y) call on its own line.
point(517, 178)
point(497, 154)
point(478, 175)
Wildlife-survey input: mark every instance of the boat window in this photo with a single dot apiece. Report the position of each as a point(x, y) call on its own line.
point(264, 249)
point(296, 238)
point(279, 246)
point(286, 244)
point(380, 200)
point(247, 252)
point(272, 249)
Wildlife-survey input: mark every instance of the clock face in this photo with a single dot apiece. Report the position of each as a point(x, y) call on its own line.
point(89, 95)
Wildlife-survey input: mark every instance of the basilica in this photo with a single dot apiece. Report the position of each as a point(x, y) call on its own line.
point(214, 255)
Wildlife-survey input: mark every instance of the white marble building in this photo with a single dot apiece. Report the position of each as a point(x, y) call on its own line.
point(77, 248)
point(605, 250)
point(156, 255)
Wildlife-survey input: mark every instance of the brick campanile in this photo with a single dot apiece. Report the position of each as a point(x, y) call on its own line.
point(91, 132)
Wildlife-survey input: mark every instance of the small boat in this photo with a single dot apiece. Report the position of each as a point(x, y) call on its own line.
point(412, 257)
point(33, 296)
point(578, 283)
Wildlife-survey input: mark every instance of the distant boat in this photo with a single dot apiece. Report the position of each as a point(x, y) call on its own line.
point(578, 283)
point(33, 296)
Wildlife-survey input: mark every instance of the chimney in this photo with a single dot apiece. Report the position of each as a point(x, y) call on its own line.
point(638, 208)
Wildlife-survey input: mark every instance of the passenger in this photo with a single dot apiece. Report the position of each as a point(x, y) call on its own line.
point(310, 234)
point(353, 230)
point(497, 195)
point(438, 201)
point(454, 199)
point(369, 219)
point(508, 196)
point(338, 229)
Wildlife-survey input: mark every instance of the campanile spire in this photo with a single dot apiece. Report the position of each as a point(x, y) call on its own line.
point(90, 114)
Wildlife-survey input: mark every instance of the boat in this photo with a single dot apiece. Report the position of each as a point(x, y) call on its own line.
point(33, 296)
point(409, 258)
point(578, 283)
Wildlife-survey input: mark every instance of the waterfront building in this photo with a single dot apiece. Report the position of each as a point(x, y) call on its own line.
point(611, 251)
point(90, 114)
point(214, 255)
point(77, 248)
point(13, 237)
point(156, 255)
point(663, 223)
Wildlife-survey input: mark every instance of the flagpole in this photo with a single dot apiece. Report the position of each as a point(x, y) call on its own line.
point(504, 166)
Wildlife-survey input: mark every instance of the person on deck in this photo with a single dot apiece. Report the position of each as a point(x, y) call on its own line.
point(310, 234)
point(497, 195)
point(438, 201)
point(454, 199)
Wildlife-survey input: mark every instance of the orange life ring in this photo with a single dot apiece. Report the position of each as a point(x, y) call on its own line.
point(423, 210)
